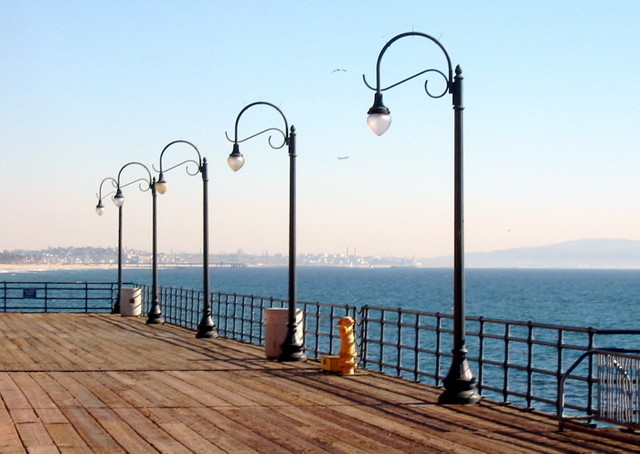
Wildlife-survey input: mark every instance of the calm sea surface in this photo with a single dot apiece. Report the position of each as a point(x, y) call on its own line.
point(597, 298)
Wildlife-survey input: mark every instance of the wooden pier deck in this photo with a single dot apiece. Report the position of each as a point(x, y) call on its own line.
point(103, 383)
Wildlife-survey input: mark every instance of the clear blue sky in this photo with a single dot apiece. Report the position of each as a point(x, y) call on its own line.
point(552, 130)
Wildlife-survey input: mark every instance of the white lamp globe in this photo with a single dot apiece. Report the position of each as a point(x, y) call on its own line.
point(379, 123)
point(235, 159)
point(378, 119)
point(161, 185)
point(118, 199)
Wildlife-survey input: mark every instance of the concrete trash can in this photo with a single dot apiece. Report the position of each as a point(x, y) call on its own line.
point(276, 320)
point(130, 302)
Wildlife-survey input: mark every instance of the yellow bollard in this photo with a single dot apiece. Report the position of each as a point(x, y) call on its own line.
point(347, 361)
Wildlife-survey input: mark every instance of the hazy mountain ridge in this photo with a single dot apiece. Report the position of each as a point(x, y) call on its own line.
point(587, 253)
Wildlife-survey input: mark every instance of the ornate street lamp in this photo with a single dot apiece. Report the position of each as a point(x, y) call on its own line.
point(99, 211)
point(155, 313)
point(459, 383)
point(293, 347)
point(206, 327)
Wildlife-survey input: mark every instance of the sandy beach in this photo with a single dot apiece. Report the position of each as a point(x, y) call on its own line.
point(13, 267)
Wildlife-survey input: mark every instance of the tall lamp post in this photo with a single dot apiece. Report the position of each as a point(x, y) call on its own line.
point(155, 314)
point(293, 347)
point(459, 383)
point(206, 327)
point(99, 211)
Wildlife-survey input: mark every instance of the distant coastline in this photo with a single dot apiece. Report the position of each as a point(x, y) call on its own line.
point(18, 267)
point(578, 254)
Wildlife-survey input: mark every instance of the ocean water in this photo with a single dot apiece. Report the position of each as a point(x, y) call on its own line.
point(603, 299)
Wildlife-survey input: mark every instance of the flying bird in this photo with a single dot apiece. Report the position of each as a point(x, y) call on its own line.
point(338, 69)
point(343, 157)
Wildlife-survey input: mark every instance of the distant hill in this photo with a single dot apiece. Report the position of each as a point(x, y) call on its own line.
point(589, 253)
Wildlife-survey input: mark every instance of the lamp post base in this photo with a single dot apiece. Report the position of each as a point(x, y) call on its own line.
point(460, 384)
point(155, 319)
point(292, 347)
point(206, 329)
point(460, 396)
point(292, 352)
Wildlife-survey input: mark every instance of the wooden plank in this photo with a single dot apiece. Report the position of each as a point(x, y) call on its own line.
point(329, 409)
point(46, 410)
point(299, 393)
point(9, 438)
point(34, 436)
point(66, 438)
point(152, 434)
point(201, 421)
point(92, 433)
point(167, 420)
point(122, 431)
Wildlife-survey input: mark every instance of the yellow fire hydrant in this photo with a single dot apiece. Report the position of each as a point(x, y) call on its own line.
point(347, 362)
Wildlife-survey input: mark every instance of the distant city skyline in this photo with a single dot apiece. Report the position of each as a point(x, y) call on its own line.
point(594, 253)
point(551, 137)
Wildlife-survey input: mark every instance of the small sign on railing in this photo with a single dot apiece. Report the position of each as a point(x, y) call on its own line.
point(29, 293)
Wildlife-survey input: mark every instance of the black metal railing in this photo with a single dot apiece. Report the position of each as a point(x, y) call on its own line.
point(57, 296)
point(521, 363)
point(515, 362)
point(241, 317)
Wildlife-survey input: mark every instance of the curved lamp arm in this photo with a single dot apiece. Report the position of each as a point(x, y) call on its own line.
point(114, 182)
point(379, 118)
point(118, 199)
point(236, 159)
point(161, 184)
point(100, 206)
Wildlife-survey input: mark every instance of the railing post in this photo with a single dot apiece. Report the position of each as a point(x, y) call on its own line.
point(591, 334)
point(364, 344)
point(234, 311)
point(480, 353)
point(529, 362)
point(86, 297)
point(381, 339)
point(559, 366)
point(416, 346)
point(398, 342)
point(505, 364)
point(317, 330)
point(438, 347)
point(261, 325)
point(46, 297)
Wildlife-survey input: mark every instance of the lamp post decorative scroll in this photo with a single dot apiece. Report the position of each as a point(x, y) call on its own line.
point(459, 383)
point(206, 327)
point(293, 347)
point(155, 313)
